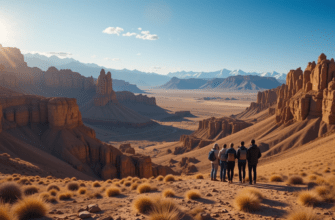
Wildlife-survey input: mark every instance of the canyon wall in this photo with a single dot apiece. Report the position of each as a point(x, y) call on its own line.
point(104, 90)
point(308, 93)
point(126, 96)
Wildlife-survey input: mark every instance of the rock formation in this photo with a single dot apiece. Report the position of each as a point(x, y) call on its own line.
point(126, 148)
point(308, 93)
point(104, 90)
point(126, 96)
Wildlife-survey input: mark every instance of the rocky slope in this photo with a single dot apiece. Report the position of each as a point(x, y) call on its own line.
point(176, 83)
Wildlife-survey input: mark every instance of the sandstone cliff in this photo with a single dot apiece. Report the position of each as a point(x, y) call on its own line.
point(104, 90)
point(308, 93)
point(126, 96)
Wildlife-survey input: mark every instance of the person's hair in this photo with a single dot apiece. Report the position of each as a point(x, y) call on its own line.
point(242, 143)
point(216, 146)
point(253, 141)
point(225, 145)
point(231, 145)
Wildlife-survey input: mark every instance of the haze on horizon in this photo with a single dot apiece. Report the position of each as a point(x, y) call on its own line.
point(170, 36)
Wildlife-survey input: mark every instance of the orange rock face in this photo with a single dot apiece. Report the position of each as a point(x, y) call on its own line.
point(308, 93)
point(104, 91)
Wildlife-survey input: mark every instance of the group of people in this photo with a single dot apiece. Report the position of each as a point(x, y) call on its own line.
point(226, 159)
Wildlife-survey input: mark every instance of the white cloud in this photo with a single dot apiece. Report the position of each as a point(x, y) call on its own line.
point(145, 35)
point(94, 56)
point(60, 54)
point(113, 30)
point(139, 29)
point(138, 54)
point(128, 34)
point(112, 59)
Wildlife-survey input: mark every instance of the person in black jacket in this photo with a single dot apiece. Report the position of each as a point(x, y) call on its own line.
point(241, 155)
point(253, 154)
point(231, 156)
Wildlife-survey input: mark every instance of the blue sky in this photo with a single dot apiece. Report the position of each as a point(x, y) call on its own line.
point(255, 36)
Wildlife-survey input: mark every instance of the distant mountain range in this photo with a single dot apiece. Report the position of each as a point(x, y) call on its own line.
point(134, 76)
point(240, 83)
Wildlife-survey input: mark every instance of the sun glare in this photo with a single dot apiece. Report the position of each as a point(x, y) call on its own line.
point(4, 30)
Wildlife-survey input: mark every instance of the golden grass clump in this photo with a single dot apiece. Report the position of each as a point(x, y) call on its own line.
point(302, 214)
point(82, 190)
point(5, 212)
point(295, 180)
point(30, 190)
point(195, 212)
point(308, 198)
point(143, 204)
point(276, 178)
point(247, 202)
point(143, 188)
point(44, 195)
point(127, 183)
point(160, 178)
point(82, 185)
point(53, 192)
point(53, 186)
point(117, 184)
point(23, 181)
point(65, 195)
point(168, 193)
point(96, 184)
point(73, 186)
point(322, 190)
point(193, 194)
point(112, 191)
point(10, 192)
point(73, 178)
point(320, 180)
point(254, 191)
point(164, 209)
point(30, 207)
point(169, 178)
point(109, 181)
point(95, 194)
point(199, 176)
point(312, 177)
point(134, 186)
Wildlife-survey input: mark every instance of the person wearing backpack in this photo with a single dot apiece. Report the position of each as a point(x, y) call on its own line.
point(241, 155)
point(231, 156)
point(253, 154)
point(213, 156)
point(223, 163)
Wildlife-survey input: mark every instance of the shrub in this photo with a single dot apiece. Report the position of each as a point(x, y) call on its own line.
point(109, 181)
point(65, 195)
point(322, 190)
point(168, 193)
point(30, 190)
point(30, 207)
point(193, 194)
point(49, 177)
point(96, 184)
point(82, 190)
point(295, 180)
point(40, 182)
point(134, 186)
point(164, 209)
point(82, 185)
point(135, 179)
point(5, 212)
point(160, 178)
point(23, 181)
point(73, 186)
point(276, 178)
point(302, 214)
point(73, 178)
point(10, 192)
point(53, 192)
point(247, 202)
point(312, 177)
point(44, 195)
point(143, 204)
point(195, 211)
point(127, 183)
point(53, 186)
point(112, 191)
point(95, 194)
point(116, 184)
point(308, 198)
point(169, 178)
point(143, 188)
point(320, 180)
point(254, 191)
point(199, 176)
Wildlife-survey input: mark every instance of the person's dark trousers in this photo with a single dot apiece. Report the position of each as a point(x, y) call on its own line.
point(241, 170)
point(223, 165)
point(230, 166)
point(250, 168)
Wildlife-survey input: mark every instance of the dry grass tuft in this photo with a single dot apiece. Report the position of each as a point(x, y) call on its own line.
point(308, 198)
point(30, 207)
point(82, 190)
point(143, 188)
point(193, 194)
point(82, 185)
point(168, 193)
point(312, 177)
point(10, 192)
point(96, 184)
point(72, 186)
point(302, 214)
point(160, 178)
point(65, 195)
point(53, 192)
point(94, 195)
point(320, 180)
point(164, 209)
point(127, 183)
point(276, 178)
point(169, 178)
point(247, 202)
point(254, 191)
point(295, 180)
point(196, 211)
point(134, 186)
point(112, 191)
point(199, 176)
point(30, 190)
point(53, 186)
point(5, 212)
point(322, 190)
point(143, 204)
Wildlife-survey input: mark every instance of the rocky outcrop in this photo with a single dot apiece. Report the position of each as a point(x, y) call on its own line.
point(126, 96)
point(265, 99)
point(126, 148)
point(104, 90)
point(308, 93)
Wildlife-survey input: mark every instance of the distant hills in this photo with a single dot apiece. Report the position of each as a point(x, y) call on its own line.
point(241, 83)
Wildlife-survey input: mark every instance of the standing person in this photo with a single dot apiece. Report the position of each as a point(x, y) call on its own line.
point(253, 154)
point(214, 158)
point(231, 156)
point(241, 155)
point(223, 163)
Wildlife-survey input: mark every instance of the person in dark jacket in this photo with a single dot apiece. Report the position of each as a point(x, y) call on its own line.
point(241, 155)
point(253, 154)
point(231, 156)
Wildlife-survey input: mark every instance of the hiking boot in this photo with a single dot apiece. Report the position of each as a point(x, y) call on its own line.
point(255, 182)
point(240, 182)
point(243, 180)
point(250, 183)
point(215, 180)
point(224, 180)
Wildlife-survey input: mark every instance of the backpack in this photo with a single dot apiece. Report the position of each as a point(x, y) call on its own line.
point(211, 155)
point(243, 154)
point(231, 157)
point(223, 155)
